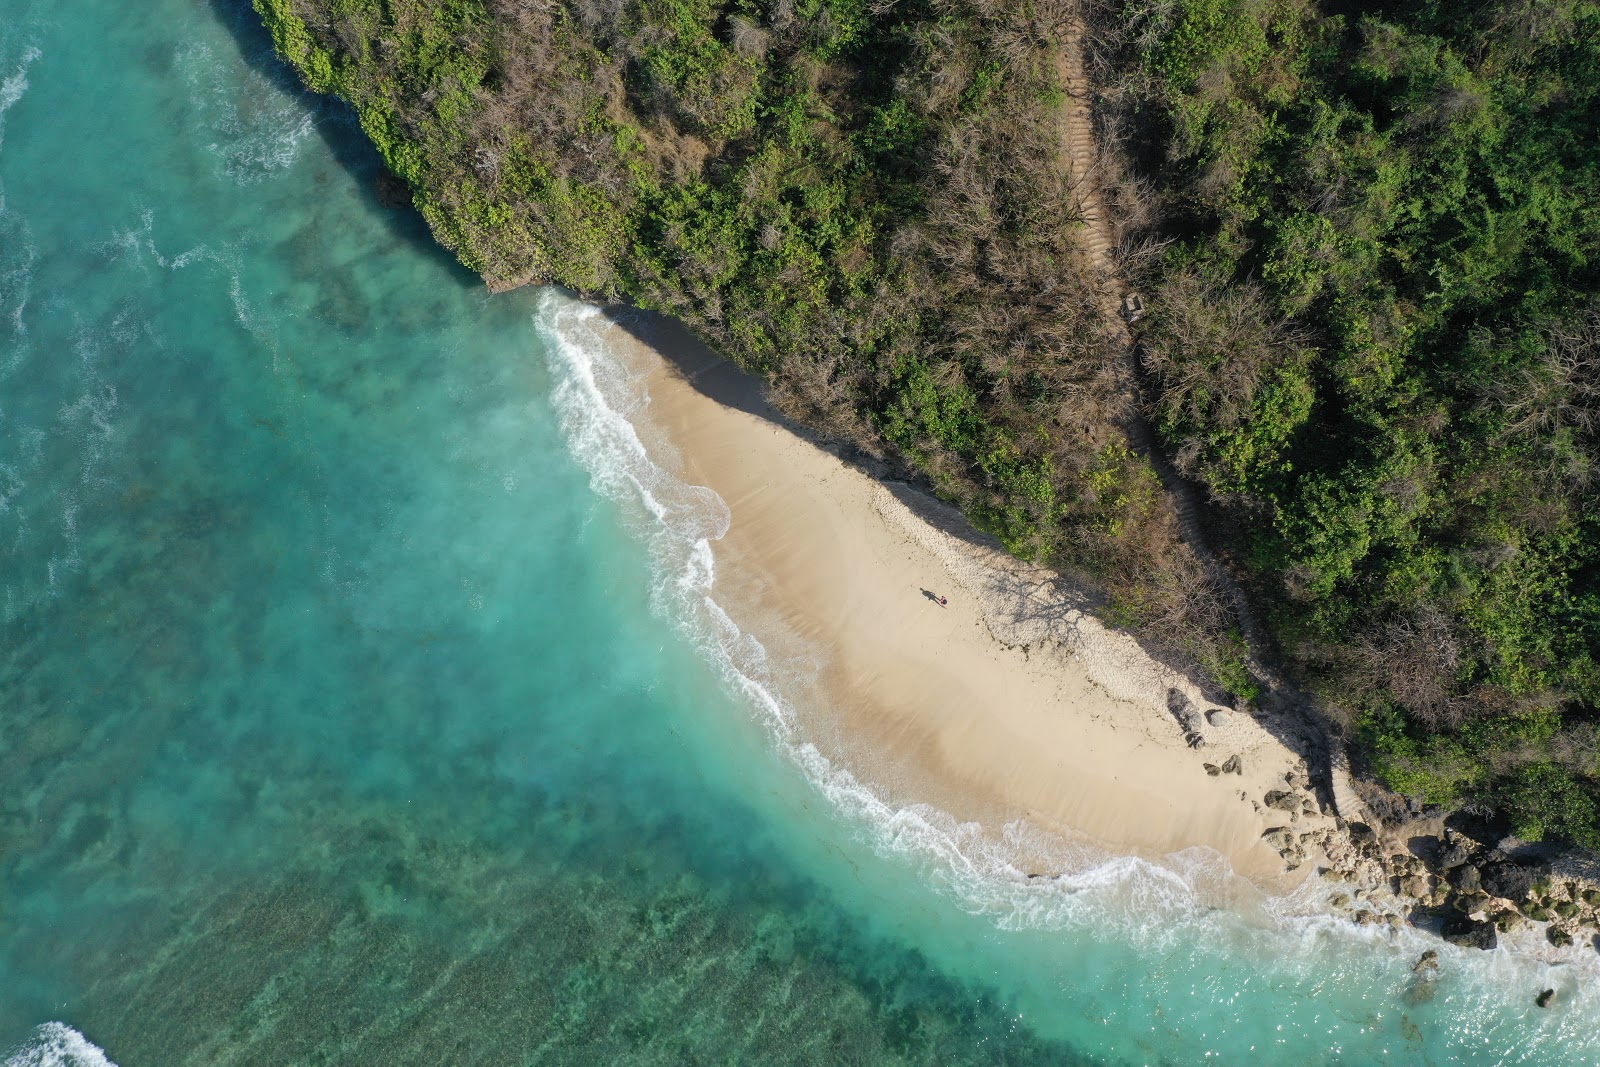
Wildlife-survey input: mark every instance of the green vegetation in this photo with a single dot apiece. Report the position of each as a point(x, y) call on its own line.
point(867, 204)
point(1375, 341)
point(1367, 236)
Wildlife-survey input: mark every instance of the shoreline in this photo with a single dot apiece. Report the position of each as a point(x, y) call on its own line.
point(1009, 702)
point(1006, 730)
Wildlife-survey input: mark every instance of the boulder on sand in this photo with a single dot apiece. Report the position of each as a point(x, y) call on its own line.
point(1279, 837)
point(1281, 800)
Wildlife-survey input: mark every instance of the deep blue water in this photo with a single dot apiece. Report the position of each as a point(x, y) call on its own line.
point(358, 706)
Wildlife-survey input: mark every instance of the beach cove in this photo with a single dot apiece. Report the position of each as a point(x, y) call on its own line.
point(1006, 702)
point(381, 683)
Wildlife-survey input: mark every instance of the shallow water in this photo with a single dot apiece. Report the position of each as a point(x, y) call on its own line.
point(364, 697)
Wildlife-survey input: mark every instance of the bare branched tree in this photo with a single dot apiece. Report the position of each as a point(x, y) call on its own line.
point(1416, 660)
point(1552, 405)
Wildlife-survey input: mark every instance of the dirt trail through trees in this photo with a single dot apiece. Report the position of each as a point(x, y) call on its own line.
point(1306, 728)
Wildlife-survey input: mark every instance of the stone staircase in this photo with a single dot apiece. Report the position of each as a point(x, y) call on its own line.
point(1325, 751)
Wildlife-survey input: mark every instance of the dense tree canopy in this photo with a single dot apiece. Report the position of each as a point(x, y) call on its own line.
point(1376, 342)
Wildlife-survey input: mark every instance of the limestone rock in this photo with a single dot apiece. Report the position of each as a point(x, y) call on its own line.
point(1219, 718)
point(1281, 800)
point(1506, 921)
point(1279, 837)
point(1513, 881)
point(1461, 930)
point(1466, 878)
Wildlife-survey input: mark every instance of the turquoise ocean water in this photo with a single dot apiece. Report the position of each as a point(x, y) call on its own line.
point(364, 698)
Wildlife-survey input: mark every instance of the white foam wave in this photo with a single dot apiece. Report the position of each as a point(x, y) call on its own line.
point(1191, 898)
point(14, 85)
point(83, 429)
point(57, 1045)
point(138, 246)
point(252, 126)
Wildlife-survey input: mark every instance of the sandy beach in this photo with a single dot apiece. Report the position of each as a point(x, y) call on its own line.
point(1002, 702)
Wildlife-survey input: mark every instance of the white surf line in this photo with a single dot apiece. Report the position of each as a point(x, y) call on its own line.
point(56, 1044)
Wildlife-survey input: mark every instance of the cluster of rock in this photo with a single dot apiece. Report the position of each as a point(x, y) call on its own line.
point(1294, 803)
point(1472, 890)
point(1468, 887)
point(1231, 765)
point(1416, 868)
point(1193, 723)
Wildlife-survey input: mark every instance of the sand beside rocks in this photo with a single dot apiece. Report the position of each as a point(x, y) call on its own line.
point(1006, 702)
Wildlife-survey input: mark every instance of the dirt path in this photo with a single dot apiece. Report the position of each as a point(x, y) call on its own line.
point(1323, 751)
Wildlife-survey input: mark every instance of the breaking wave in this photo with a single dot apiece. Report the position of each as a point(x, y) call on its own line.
point(57, 1045)
point(598, 400)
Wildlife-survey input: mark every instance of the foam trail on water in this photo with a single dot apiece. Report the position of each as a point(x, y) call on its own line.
point(57, 1045)
point(17, 252)
point(248, 122)
point(14, 85)
point(16, 280)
